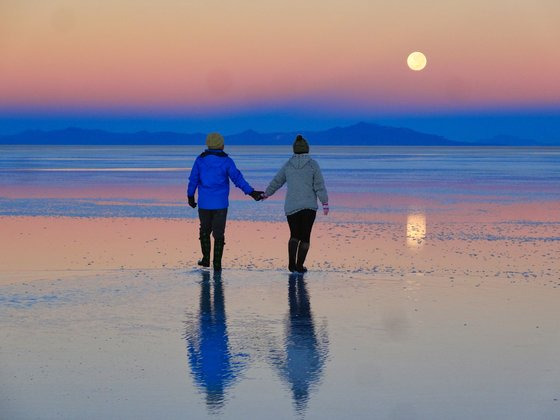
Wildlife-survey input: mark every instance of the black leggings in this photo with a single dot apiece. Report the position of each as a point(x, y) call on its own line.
point(301, 224)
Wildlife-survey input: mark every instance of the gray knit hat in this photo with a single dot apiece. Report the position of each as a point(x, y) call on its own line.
point(300, 145)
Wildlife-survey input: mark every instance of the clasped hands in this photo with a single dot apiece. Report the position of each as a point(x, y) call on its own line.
point(257, 195)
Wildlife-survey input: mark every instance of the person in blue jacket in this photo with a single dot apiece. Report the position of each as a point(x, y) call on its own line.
point(210, 174)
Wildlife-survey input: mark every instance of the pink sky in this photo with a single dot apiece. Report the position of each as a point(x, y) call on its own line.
point(186, 55)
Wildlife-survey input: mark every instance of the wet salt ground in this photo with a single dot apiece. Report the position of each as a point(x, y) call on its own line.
point(439, 303)
point(259, 344)
point(486, 250)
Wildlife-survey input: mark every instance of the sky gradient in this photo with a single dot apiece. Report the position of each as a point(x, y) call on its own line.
point(324, 62)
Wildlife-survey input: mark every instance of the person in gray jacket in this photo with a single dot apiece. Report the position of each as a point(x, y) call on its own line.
point(305, 184)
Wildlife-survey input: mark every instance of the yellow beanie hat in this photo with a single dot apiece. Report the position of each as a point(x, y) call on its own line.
point(214, 141)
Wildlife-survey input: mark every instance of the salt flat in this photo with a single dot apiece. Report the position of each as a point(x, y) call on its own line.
point(432, 290)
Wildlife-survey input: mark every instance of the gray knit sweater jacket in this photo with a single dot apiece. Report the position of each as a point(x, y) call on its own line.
point(305, 184)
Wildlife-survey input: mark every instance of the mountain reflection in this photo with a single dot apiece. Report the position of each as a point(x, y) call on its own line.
point(301, 361)
point(209, 355)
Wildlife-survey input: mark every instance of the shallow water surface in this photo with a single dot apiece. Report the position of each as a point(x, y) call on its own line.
point(150, 181)
point(264, 344)
point(432, 293)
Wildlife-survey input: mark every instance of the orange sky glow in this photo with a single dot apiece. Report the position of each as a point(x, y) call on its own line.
point(173, 54)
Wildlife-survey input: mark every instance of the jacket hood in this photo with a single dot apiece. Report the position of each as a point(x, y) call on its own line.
point(298, 161)
point(212, 158)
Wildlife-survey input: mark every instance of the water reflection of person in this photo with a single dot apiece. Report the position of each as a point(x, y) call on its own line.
point(301, 361)
point(209, 355)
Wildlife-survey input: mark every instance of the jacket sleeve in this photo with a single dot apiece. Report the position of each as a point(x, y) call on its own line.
point(277, 182)
point(319, 184)
point(237, 178)
point(194, 179)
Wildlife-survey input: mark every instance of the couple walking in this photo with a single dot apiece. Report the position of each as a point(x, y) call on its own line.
point(211, 173)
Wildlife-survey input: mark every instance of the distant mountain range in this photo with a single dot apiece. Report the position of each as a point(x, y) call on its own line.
point(361, 134)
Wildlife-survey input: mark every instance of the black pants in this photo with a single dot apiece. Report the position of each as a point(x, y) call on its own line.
point(301, 224)
point(213, 221)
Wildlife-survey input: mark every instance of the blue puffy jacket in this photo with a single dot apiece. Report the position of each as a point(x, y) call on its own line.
point(211, 173)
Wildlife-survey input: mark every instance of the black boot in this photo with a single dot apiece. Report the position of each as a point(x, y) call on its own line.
point(302, 253)
point(205, 247)
point(218, 252)
point(292, 252)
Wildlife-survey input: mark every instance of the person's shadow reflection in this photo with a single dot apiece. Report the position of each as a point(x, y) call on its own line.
point(301, 361)
point(212, 366)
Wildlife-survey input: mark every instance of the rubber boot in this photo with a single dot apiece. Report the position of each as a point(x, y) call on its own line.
point(205, 247)
point(218, 252)
point(302, 253)
point(292, 252)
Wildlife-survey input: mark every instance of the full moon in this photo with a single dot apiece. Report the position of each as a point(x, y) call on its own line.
point(416, 61)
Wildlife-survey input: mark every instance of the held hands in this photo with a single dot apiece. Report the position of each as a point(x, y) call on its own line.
point(192, 203)
point(257, 195)
point(325, 209)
